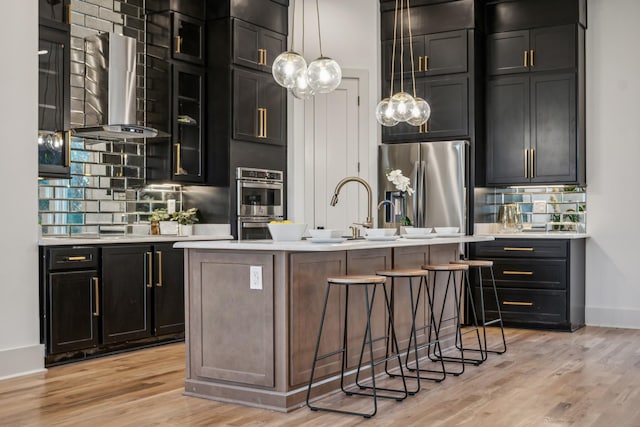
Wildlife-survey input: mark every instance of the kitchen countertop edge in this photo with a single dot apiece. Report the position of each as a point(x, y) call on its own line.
point(540, 235)
point(71, 241)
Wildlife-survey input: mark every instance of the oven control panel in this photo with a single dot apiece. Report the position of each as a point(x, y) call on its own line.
point(259, 174)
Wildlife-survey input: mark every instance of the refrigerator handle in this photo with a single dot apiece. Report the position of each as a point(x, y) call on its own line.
point(423, 194)
point(416, 188)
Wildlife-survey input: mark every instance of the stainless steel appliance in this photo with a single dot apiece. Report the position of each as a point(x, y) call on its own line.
point(110, 89)
point(437, 174)
point(260, 200)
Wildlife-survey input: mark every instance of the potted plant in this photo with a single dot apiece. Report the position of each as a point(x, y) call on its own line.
point(156, 218)
point(186, 219)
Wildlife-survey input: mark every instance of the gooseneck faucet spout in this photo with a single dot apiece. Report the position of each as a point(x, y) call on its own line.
point(334, 200)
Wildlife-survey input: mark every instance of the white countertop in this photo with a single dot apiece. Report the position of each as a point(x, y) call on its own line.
point(538, 235)
point(307, 246)
point(74, 241)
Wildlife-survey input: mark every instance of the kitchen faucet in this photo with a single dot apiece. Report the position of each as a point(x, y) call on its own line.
point(334, 200)
point(393, 209)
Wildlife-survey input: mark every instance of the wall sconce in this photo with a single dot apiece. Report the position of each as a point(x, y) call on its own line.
point(323, 75)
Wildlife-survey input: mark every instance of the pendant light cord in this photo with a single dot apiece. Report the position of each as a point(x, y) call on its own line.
point(401, 46)
point(413, 74)
point(393, 51)
point(293, 27)
point(319, 38)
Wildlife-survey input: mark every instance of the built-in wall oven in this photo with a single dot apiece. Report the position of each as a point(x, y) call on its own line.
point(260, 195)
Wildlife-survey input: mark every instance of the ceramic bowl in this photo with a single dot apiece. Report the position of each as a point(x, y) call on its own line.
point(325, 233)
point(417, 230)
point(446, 230)
point(286, 232)
point(379, 232)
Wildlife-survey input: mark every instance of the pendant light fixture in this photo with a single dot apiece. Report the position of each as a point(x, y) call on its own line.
point(402, 106)
point(323, 75)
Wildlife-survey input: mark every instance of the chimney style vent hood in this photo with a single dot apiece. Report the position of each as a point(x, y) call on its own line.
point(110, 89)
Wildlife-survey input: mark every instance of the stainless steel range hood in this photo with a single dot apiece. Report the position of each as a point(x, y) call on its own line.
point(110, 89)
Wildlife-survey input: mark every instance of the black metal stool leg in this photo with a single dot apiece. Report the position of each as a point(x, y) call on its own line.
point(496, 320)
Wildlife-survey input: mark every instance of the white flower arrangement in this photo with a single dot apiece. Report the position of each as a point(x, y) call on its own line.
point(401, 182)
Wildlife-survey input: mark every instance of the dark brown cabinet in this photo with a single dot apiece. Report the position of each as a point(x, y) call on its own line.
point(541, 49)
point(258, 108)
point(54, 105)
point(54, 12)
point(188, 39)
point(448, 97)
point(540, 282)
point(168, 290)
point(256, 47)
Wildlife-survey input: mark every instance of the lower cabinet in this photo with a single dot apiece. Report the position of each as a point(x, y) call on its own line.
point(540, 282)
point(97, 300)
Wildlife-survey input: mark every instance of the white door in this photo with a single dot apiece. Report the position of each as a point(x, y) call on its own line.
point(334, 143)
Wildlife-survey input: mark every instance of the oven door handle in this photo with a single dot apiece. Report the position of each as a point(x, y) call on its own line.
point(254, 225)
point(244, 184)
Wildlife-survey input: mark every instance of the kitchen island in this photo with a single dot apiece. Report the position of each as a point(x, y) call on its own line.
point(253, 309)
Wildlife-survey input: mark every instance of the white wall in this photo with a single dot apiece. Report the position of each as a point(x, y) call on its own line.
point(350, 35)
point(20, 351)
point(613, 155)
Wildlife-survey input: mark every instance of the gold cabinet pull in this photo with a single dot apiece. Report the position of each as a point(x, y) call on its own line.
point(426, 63)
point(159, 284)
point(149, 269)
point(508, 248)
point(178, 159)
point(531, 57)
point(525, 59)
point(178, 44)
point(419, 63)
point(262, 56)
point(265, 121)
point(517, 273)
point(69, 13)
point(262, 125)
point(531, 170)
point(77, 258)
point(526, 158)
point(96, 295)
point(520, 303)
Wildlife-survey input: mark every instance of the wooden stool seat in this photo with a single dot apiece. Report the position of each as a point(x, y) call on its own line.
point(445, 267)
point(403, 272)
point(474, 262)
point(357, 280)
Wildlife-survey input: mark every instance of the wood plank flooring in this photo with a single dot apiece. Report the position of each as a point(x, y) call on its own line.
point(587, 378)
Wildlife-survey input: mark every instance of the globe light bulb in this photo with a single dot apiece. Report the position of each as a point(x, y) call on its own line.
point(324, 75)
point(287, 67)
point(384, 113)
point(402, 105)
point(420, 112)
point(302, 89)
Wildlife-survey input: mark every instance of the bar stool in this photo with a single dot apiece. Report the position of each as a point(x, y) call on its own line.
point(421, 275)
point(365, 281)
point(451, 269)
point(487, 264)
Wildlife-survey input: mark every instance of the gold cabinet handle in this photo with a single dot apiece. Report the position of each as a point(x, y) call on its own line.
point(262, 56)
point(178, 160)
point(178, 44)
point(526, 158)
point(262, 126)
point(77, 258)
point(424, 128)
point(149, 269)
point(426, 63)
point(508, 249)
point(525, 59)
point(518, 273)
point(520, 303)
point(265, 121)
point(531, 170)
point(420, 63)
point(96, 295)
point(159, 284)
point(531, 57)
point(69, 13)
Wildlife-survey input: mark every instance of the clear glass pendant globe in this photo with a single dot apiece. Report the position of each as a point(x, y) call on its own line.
point(302, 89)
point(384, 113)
point(324, 75)
point(402, 105)
point(287, 67)
point(420, 112)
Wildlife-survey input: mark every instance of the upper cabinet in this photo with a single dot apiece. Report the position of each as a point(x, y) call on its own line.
point(256, 47)
point(54, 105)
point(188, 39)
point(54, 12)
point(542, 49)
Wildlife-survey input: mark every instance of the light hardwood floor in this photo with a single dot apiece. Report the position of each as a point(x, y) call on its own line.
point(587, 378)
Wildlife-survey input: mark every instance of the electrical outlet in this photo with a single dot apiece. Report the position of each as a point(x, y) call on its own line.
point(255, 277)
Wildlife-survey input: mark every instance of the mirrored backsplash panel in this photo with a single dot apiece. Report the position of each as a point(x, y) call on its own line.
point(552, 208)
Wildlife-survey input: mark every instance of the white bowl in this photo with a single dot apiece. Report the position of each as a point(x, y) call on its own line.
point(286, 232)
point(416, 230)
point(325, 233)
point(379, 232)
point(446, 230)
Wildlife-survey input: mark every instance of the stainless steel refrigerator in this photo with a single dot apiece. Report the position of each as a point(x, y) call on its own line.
point(438, 177)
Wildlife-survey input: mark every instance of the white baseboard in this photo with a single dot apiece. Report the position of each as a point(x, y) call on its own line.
point(612, 317)
point(15, 362)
